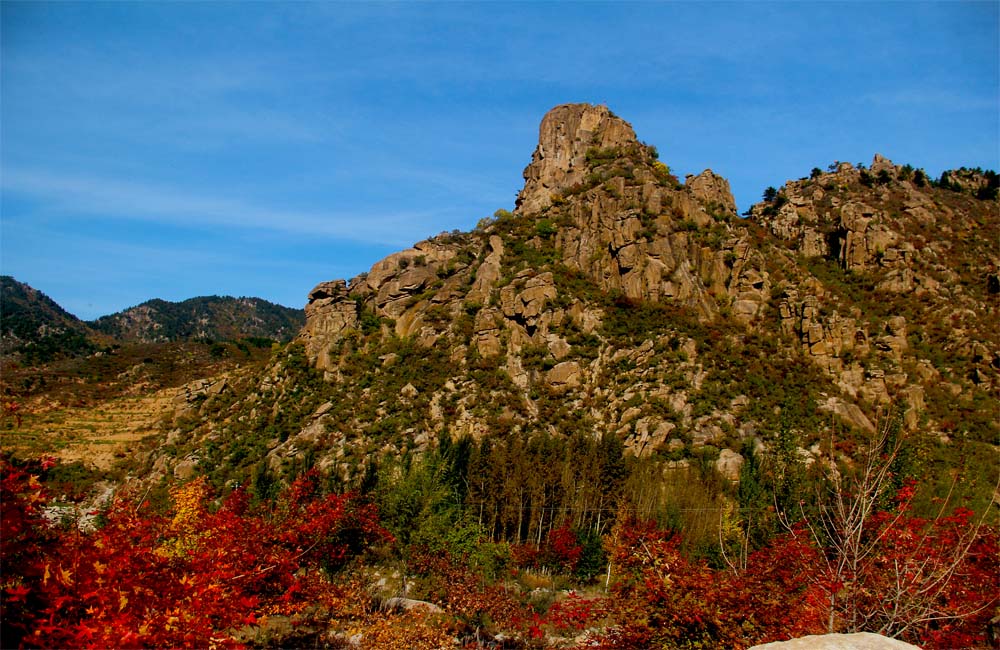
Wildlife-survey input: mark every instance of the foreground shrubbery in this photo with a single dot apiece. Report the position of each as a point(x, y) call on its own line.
point(210, 573)
point(190, 577)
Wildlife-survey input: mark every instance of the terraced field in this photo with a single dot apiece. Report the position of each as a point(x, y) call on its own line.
point(94, 435)
point(95, 410)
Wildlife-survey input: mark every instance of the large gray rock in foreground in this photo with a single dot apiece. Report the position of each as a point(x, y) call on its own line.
point(857, 641)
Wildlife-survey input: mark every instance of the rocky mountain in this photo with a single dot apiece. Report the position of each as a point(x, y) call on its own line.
point(205, 317)
point(34, 327)
point(618, 303)
point(620, 375)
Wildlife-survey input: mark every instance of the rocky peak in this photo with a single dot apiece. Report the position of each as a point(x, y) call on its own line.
point(713, 190)
point(597, 202)
point(622, 303)
point(880, 163)
point(565, 136)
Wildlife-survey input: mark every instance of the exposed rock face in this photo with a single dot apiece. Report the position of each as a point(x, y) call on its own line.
point(329, 313)
point(566, 134)
point(399, 277)
point(524, 302)
point(565, 374)
point(537, 306)
point(857, 641)
point(713, 190)
point(640, 233)
point(887, 230)
point(627, 223)
point(825, 221)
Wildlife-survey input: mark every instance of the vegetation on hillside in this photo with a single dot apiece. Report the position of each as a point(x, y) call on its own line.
point(249, 572)
point(625, 420)
point(217, 318)
point(35, 328)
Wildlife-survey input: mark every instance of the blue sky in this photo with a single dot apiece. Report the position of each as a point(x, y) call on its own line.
point(181, 149)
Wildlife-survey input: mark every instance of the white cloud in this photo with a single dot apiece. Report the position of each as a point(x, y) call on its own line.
point(135, 201)
point(931, 99)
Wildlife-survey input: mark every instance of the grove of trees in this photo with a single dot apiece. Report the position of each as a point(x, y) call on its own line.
point(539, 541)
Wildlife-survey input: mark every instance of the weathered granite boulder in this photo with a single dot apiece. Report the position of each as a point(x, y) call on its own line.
point(856, 641)
point(329, 312)
point(714, 190)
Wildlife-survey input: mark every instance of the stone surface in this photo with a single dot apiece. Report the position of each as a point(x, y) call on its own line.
point(329, 312)
point(408, 604)
point(559, 160)
point(714, 190)
point(565, 374)
point(856, 641)
point(513, 303)
point(729, 464)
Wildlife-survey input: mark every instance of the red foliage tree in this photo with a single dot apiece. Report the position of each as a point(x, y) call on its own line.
point(24, 539)
point(192, 579)
point(563, 550)
point(660, 598)
point(933, 582)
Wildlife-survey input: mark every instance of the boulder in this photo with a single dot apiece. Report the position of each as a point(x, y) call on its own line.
point(565, 374)
point(329, 312)
point(729, 463)
point(856, 641)
point(408, 604)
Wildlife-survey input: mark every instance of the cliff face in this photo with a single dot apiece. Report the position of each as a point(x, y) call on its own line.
point(883, 265)
point(595, 201)
point(619, 301)
point(565, 137)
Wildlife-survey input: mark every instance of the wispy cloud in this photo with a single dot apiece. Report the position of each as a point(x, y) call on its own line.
point(135, 201)
point(187, 105)
point(938, 99)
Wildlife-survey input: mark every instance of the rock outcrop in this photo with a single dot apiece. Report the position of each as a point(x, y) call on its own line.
point(856, 641)
point(886, 236)
point(617, 301)
point(712, 190)
point(566, 135)
point(607, 208)
point(329, 313)
point(626, 222)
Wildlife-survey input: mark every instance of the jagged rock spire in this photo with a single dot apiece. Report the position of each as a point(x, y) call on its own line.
point(559, 160)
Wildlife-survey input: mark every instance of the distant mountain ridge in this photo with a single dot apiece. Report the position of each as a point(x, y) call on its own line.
point(37, 329)
point(204, 317)
point(35, 326)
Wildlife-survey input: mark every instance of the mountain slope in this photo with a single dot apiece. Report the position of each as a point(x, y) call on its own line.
point(205, 317)
point(881, 265)
point(34, 327)
point(617, 304)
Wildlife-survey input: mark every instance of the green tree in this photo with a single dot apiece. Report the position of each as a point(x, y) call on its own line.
point(755, 523)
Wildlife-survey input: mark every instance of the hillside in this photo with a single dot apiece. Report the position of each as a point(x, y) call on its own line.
point(616, 305)
point(617, 416)
point(33, 326)
point(207, 317)
point(85, 391)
